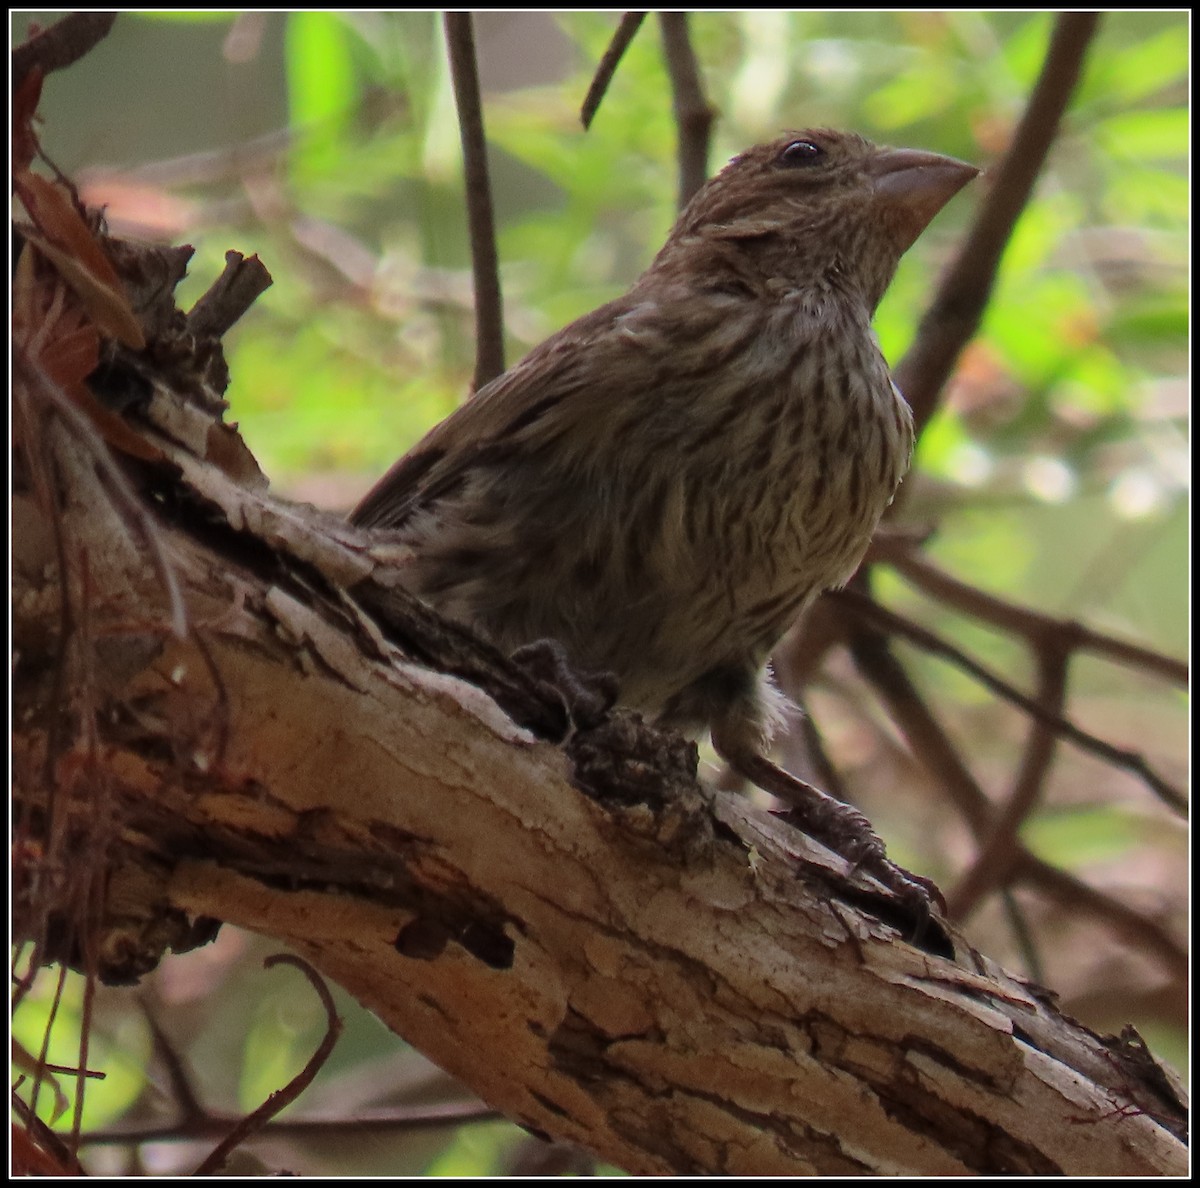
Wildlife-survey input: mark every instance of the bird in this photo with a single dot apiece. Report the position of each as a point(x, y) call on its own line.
point(663, 486)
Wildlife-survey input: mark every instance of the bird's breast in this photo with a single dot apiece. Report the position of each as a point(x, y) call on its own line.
point(783, 502)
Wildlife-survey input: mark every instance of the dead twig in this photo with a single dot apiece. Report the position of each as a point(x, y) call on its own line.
point(391, 1121)
point(485, 265)
point(694, 115)
point(1140, 931)
point(1120, 757)
point(281, 1098)
point(630, 23)
point(963, 294)
point(1001, 850)
point(1026, 622)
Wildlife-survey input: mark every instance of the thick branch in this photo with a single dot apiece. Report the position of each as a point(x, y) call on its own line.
point(599, 947)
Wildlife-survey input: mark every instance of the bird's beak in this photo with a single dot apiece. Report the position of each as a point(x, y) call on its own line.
point(912, 186)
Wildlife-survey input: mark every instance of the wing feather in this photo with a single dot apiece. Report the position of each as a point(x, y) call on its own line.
point(558, 383)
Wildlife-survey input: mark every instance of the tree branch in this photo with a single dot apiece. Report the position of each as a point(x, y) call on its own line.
point(1120, 757)
point(279, 1100)
point(963, 294)
point(1000, 851)
point(485, 264)
point(1024, 621)
point(694, 115)
point(626, 30)
point(547, 923)
point(937, 754)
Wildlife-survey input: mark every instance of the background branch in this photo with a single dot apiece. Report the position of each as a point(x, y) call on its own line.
point(931, 745)
point(957, 308)
point(626, 30)
point(1120, 757)
point(485, 264)
point(280, 1099)
point(694, 115)
point(999, 852)
point(1032, 625)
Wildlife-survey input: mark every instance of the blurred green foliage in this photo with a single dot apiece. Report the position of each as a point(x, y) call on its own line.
point(1056, 472)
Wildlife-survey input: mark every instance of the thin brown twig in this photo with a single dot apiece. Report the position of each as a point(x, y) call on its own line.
point(1127, 760)
point(1140, 931)
point(90, 929)
point(873, 657)
point(47, 1030)
point(123, 495)
point(281, 1098)
point(694, 115)
point(817, 762)
point(932, 747)
point(1030, 624)
point(795, 664)
point(258, 154)
point(428, 1117)
point(1000, 851)
point(46, 1138)
point(183, 1092)
point(194, 1121)
point(1022, 933)
point(629, 24)
point(963, 294)
point(485, 265)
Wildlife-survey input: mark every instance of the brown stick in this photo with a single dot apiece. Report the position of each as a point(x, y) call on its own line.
point(1030, 624)
point(631, 22)
point(281, 1098)
point(485, 266)
point(694, 115)
point(927, 641)
point(1001, 851)
point(963, 295)
point(933, 748)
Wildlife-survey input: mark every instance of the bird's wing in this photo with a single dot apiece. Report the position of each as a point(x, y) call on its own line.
point(564, 380)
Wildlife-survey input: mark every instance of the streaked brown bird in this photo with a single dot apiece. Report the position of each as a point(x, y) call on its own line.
point(665, 484)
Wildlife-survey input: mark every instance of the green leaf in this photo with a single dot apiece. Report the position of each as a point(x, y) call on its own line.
point(477, 1150)
point(118, 1047)
point(1080, 836)
point(1146, 68)
point(1147, 135)
point(322, 86)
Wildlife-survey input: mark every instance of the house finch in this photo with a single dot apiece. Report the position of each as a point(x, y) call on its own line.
point(665, 484)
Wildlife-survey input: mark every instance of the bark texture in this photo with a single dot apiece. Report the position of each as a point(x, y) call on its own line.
point(209, 720)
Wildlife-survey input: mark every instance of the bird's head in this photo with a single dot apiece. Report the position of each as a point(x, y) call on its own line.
point(818, 205)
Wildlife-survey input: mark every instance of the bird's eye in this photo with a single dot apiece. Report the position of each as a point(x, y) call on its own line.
point(801, 153)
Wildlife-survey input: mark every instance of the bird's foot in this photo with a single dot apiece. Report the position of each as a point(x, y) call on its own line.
point(843, 829)
point(588, 696)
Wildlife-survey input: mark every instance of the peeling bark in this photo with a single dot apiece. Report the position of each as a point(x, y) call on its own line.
point(560, 914)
